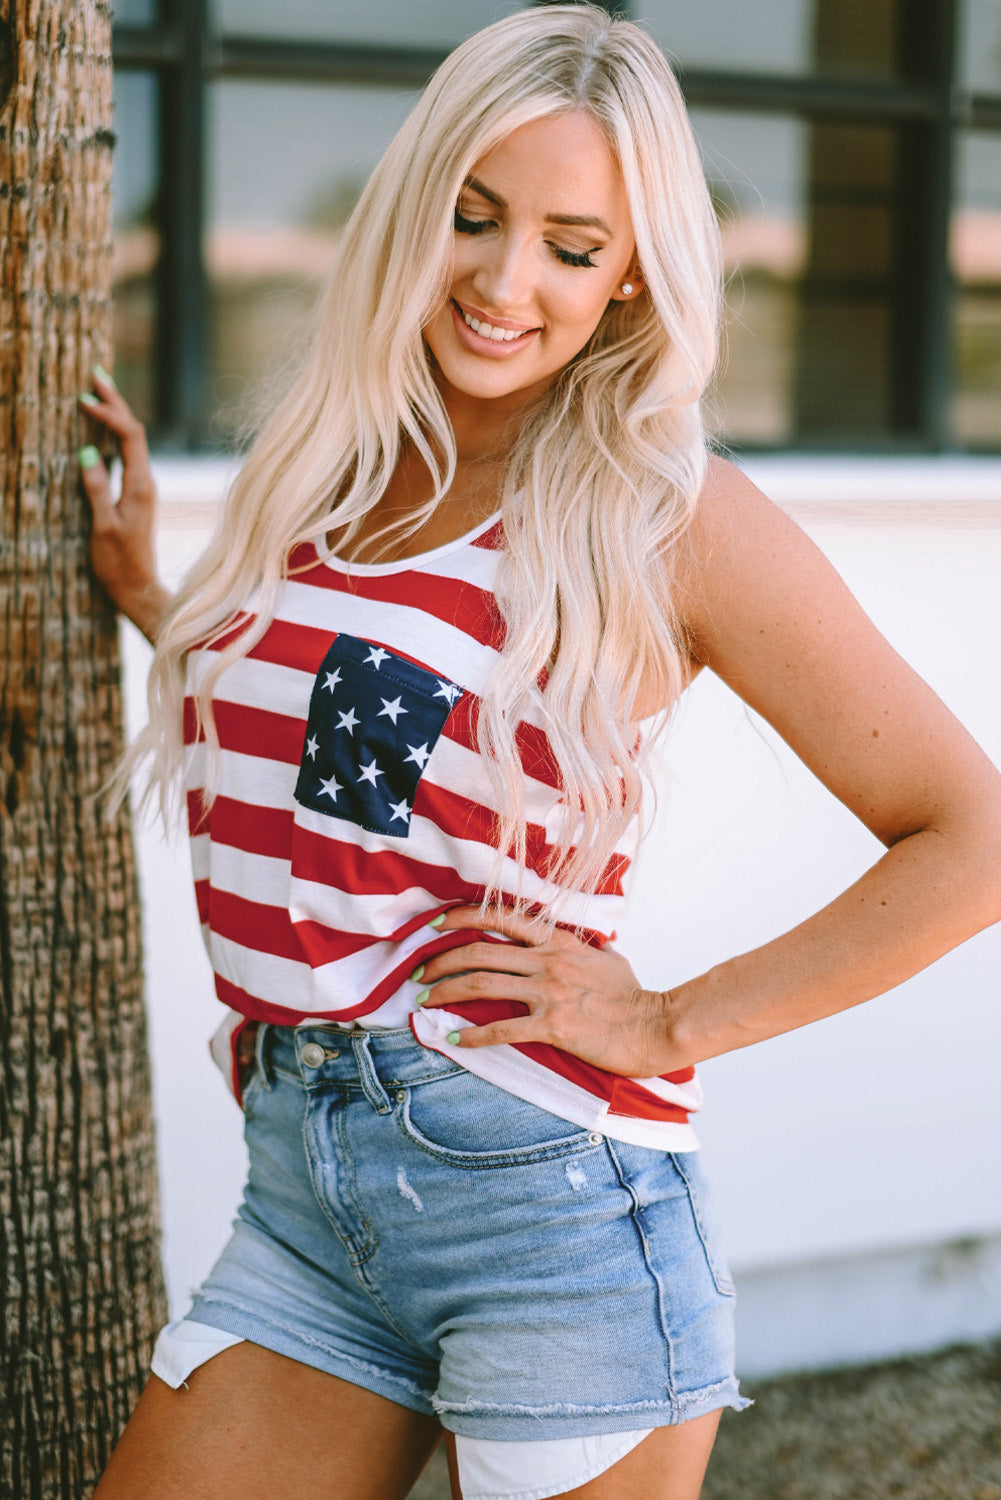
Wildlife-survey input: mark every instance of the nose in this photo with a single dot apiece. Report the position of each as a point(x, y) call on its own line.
point(503, 279)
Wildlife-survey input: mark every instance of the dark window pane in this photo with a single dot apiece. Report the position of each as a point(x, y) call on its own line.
point(980, 45)
point(807, 219)
point(976, 265)
point(136, 12)
point(839, 37)
point(286, 164)
point(136, 240)
point(401, 23)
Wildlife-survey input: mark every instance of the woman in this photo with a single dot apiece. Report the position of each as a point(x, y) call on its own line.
point(476, 544)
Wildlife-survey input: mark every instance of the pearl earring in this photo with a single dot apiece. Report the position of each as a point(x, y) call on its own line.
point(627, 288)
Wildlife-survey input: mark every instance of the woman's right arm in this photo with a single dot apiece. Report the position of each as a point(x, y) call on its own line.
point(122, 546)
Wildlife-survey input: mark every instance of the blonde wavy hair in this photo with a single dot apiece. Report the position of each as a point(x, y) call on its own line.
point(602, 480)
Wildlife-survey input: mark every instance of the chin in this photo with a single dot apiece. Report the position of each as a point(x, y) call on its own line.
point(489, 382)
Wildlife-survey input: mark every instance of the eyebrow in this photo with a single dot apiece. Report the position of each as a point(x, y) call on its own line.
point(584, 221)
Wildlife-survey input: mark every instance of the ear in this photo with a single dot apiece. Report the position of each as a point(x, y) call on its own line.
point(633, 279)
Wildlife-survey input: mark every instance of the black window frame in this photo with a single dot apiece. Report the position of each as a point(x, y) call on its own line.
point(928, 105)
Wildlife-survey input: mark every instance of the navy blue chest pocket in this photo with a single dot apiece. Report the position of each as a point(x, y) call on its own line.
point(374, 719)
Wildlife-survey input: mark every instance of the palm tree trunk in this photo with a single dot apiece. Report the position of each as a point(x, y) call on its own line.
point(81, 1286)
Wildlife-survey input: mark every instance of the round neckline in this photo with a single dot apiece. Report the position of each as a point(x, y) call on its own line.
point(418, 560)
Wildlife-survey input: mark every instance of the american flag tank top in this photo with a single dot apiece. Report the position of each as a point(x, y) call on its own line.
point(353, 806)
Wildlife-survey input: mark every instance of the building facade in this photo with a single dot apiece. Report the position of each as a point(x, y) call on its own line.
point(853, 148)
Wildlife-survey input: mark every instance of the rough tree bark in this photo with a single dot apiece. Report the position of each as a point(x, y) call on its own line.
point(81, 1289)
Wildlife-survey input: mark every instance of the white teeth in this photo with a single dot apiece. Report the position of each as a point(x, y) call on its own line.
point(488, 331)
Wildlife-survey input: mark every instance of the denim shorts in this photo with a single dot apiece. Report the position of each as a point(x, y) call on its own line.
point(421, 1233)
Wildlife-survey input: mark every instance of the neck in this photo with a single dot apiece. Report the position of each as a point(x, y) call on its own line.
point(485, 431)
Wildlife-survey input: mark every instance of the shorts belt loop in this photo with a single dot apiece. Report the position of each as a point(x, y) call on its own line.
point(374, 1091)
point(262, 1057)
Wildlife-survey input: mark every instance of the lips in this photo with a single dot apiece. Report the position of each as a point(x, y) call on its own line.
point(496, 337)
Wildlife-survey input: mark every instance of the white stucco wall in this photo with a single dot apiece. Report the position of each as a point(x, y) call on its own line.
point(857, 1163)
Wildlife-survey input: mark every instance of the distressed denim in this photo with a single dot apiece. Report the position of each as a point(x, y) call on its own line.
point(423, 1234)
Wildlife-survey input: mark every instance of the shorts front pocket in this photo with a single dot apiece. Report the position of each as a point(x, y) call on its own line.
point(468, 1122)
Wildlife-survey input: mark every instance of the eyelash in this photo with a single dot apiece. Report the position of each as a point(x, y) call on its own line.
point(568, 257)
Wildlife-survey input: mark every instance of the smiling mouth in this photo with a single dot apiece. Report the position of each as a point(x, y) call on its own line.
point(490, 331)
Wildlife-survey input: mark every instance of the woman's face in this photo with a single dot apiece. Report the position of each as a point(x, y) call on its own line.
point(543, 241)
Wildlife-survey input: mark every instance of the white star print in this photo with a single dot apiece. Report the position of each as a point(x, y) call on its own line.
point(331, 787)
point(376, 657)
point(347, 721)
point(333, 678)
point(448, 691)
point(370, 772)
point(399, 810)
point(391, 710)
point(419, 755)
point(312, 745)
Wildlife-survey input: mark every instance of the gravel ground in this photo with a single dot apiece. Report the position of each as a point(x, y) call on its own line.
point(917, 1429)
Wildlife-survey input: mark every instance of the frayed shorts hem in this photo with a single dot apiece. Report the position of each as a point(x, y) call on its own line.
point(231, 1318)
point(473, 1419)
point(483, 1420)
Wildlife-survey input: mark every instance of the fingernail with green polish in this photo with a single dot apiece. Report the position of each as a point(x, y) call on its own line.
point(418, 973)
point(87, 399)
point(438, 920)
point(88, 457)
point(102, 374)
point(452, 1039)
point(423, 997)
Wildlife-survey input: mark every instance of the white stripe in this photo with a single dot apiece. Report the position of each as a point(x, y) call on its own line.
point(252, 877)
point(253, 683)
point(400, 627)
point(294, 986)
point(257, 781)
point(283, 982)
point(473, 565)
point(268, 879)
point(201, 856)
point(687, 1095)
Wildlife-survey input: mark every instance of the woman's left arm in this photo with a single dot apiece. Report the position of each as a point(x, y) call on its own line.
point(770, 616)
point(767, 613)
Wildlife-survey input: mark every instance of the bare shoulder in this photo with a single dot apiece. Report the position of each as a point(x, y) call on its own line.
point(763, 608)
point(740, 552)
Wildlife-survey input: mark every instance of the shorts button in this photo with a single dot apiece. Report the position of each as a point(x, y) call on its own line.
point(595, 1138)
point(313, 1054)
point(401, 1094)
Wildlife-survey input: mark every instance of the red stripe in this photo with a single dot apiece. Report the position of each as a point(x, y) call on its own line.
point(241, 825)
point(228, 635)
point(198, 813)
point(270, 929)
point(301, 559)
point(252, 731)
point(492, 539)
point(316, 856)
point(202, 901)
point(470, 609)
point(254, 1008)
point(632, 1099)
point(263, 831)
point(459, 817)
point(301, 647)
point(336, 862)
point(534, 749)
point(624, 1096)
